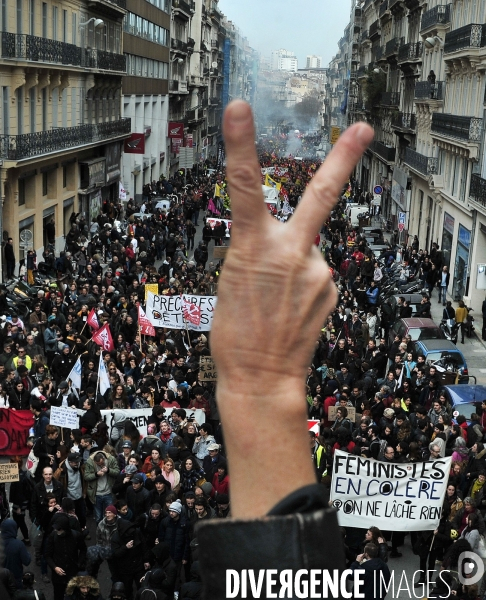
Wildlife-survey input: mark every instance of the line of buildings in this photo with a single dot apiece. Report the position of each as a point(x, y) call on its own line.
point(415, 70)
point(100, 95)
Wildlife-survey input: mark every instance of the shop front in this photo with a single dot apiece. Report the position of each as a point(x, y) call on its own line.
point(447, 238)
point(461, 266)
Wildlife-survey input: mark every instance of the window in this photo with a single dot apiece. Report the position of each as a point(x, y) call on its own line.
point(44, 183)
point(44, 19)
point(32, 107)
point(19, 16)
point(44, 109)
point(55, 16)
point(64, 25)
point(4, 15)
point(32, 17)
point(75, 28)
point(21, 192)
point(5, 111)
point(64, 177)
point(137, 65)
point(20, 110)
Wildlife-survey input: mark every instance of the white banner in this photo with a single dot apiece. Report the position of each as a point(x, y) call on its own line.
point(268, 170)
point(140, 416)
point(167, 311)
point(391, 496)
point(64, 417)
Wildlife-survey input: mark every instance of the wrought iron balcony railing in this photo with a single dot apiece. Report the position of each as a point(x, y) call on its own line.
point(361, 71)
point(28, 145)
point(423, 164)
point(214, 44)
point(173, 85)
point(392, 3)
point(375, 28)
point(392, 46)
point(469, 36)
point(364, 35)
point(383, 8)
point(477, 189)
point(212, 129)
point(409, 52)
point(404, 121)
point(439, 14)
point(386, 152)
point(379, 52)
point(182, 5)
point(176, 44)
point(390, 99)
point(455, 126)
point(38, 49)
point(425, 89)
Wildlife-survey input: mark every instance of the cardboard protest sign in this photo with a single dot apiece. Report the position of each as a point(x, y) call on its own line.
point(14, 431)
point(220, 252)
point(394, 496)
point(168, 311)
point(207, 369)
point(140, 417)
point(64, 417)
point(332, 410)
point(9, 472)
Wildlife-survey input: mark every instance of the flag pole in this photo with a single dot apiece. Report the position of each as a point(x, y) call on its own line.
point(98, 380)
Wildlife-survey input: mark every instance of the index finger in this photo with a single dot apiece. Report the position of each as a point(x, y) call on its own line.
point(322, 193)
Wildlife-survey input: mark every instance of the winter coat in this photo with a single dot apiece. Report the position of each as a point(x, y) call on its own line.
point(73, 593)
point(67, 551)
point(92, 479)
point(138, 500)
point(176, 535)
point(127, 560)
point(39, 505)
point(8, 580)
point(16, 554)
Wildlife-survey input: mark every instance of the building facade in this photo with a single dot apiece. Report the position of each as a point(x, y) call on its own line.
point(417, 74)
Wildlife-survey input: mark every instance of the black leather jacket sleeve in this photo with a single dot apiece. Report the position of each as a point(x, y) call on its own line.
point(308, 538)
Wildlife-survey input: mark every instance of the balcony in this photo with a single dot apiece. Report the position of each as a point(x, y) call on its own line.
point(379, 53)
point(216, 15)
point(173, 85)
point(215, 44)
point(29, 145)
point(423, 164)
point(390, 99)
point(190, 44)
point(470, 36)
point(392, 47)
point(178, 45)
point(385, 152)
point(364, 35)
point(38, 49)
point(375, 29)
point(213, 129)
point(408, 53)
point(454, 126)
point(405, 121)
point(425, 90)
point(215, 101)
point(114, 6)
point(439, 15)
point(181, 6)
point(383, 8)
point(361, 72)
point(394, 3)
point(477, 190)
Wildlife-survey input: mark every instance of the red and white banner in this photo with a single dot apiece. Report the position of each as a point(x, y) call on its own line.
point(192, 312)
point(146, 327)
point(14, 431)
point(103, 338)
point(92, 319)
point(313, 426)
point(176, 130)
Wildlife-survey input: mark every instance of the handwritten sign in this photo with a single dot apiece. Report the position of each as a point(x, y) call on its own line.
point(9, 472)
point(64, 417)
point(220, 251)
point(332, 410)
point(395, 496)
point(207, 369)
point(167, 311)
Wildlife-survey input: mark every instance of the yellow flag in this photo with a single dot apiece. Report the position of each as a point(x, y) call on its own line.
point(217, 191)
point(272, 183)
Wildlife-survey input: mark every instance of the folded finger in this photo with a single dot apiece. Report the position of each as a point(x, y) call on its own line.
point(243, 170)
point(323, 191)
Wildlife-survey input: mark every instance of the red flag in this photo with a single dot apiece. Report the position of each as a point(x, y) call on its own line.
point(103, 338)
point(146, 327)
point(192, 312)
point(14, 431)
point(92, 320)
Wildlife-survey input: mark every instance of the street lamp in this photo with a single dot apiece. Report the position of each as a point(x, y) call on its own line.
point(380, 70)
point(97, 22)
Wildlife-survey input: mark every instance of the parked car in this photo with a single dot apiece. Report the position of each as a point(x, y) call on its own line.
point(447, 358)
point(417, 328)
point(465, 399)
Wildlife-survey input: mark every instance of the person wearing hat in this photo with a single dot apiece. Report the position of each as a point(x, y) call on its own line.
point(125, 454)
point(174, 530)
point(102, 549)
point(64, 397)
point(212, 461)
point(83, 587)
point(223, 509)
point(153, 582)
point(62, 364)
point(65, 554)
point(137, 496)
point(16, 554)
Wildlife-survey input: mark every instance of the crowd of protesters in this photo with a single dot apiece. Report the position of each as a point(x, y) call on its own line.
point(146, 494)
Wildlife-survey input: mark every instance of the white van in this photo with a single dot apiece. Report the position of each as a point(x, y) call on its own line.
point(353, 211)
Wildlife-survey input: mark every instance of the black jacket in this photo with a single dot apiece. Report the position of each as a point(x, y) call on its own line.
point(176, 535)
point(67, 551)
point(374, 570)
point(138, 501)
point(39, 504)
point(127, 560)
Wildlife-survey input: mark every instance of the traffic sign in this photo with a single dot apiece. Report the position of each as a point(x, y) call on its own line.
point(378, 190)
point(401, 221)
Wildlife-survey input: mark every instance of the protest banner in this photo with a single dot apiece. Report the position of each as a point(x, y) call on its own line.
point(168, 311)
point(140, 417)
point(9, 472)
point(332, 410)
point(220, 252)
point(64, 417)
point(393, 496)
point(151, 287)
point(14, 431)
point(213, 222)
point(207, 369)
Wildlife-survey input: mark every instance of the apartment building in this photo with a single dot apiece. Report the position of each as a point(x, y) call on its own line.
point(62, 131)
point(146, 43)
point(417, 74)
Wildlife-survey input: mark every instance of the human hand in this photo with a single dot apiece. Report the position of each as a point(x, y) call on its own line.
point(59, 571)
point(381, 540)
point(273, 275)
point(129, 544)
point(360, 557)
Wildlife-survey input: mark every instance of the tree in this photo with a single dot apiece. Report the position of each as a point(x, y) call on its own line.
point(307, 110)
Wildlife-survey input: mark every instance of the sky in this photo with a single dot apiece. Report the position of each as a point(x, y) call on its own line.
point(302, 26)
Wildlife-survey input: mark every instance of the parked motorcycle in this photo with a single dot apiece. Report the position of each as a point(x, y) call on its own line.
point(450, 329)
